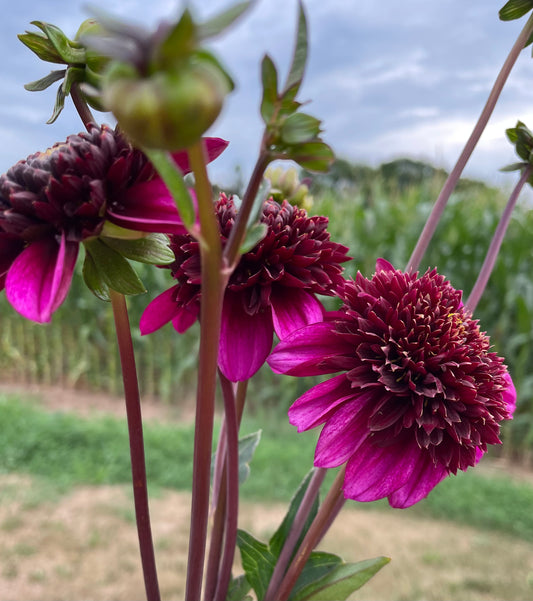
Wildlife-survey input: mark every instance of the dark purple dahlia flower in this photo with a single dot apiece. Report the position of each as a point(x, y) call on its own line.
point(54, 200)
point(419, 394)
point(272, 289)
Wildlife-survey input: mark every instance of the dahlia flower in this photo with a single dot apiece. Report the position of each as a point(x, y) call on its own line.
point(272, 289)
point(419, 394)
point(54, 200)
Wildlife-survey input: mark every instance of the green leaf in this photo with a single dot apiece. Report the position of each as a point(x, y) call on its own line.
point(514, 167)
point(222, 21)
point(299, 128)
point(174, 181)
point(59, 104)
point(178, 44)
point(269, 77)
point(45, 82)
point(253, 236)
point(238, 589)
point(112, 268)
point(152, 249)
point(257, 208)
point(299, 57)
point(247, 446)
point(340, 582)
point(73, 75)
point(514, 9)
point(62, 45)
point(280, 536)
point(257, 561)
point(314, 156)
point(94, 280)
point(317, 567)
point(41, 46)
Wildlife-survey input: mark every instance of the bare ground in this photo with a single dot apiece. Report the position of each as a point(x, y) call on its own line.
point(83, 545)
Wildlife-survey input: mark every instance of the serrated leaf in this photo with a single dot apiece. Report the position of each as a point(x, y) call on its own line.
point(280, 536)
point(152, 249)
point(217, 24)
point(69, 54)
point(247, 446)
point(299, 58)
point(59, 104)
point(93, 280)
point(238, 589)
point(257, 561)
point(113, 269)
point(174, 181)
point(514, 9)
point(299, 128)
point(41, 46)
point(314, 156)
point(269, 78)
point(41, 84)
point(340, 582)
point(253, 236)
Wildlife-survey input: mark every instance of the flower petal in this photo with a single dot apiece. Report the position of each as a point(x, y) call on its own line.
point(292, 309)
point(245, 340)
point(10, 247)
point(509, 395)
point(301, 353)
point(40, 277)
point(159, 311)
point(213, 147)
point(422, 481)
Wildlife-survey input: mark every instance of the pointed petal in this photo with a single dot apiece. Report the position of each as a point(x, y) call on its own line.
point(509, 395)
point(245, 340)
point(383, 265)
point(184, 319)
point(376, 472)
point(40, 277)
point(213, 147)
point(159, 311)
point(292, 309)
point(301, 352)
point(147, 207)
point(422, 481)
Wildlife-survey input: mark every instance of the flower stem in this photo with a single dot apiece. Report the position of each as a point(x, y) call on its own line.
point(210, 317)
point(455, 174)
point(314, 534)
point(496, 242)
point(81, 106)
point(296, 530)
point(135, 429)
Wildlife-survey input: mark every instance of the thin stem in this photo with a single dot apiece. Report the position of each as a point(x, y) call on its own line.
point(232, 488)
point(453, 177)
point(210, 317)
point(314, 534)
point(496, 242)
point(296, 530)
point(135, 430)
point(81, 106)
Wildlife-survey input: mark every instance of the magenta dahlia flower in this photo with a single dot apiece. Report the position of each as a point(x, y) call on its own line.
point(54, 200)
point(419, 394)
point(272, 289)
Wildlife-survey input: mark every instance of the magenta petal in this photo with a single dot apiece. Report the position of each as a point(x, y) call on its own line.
point(509, 395)
point(376, 472)
point(159, 311)
point(313, 407)
point(245, 340)
point(147, 207)
point(214, 147)
point(301, 352)
point(422, 481)
point(184, 319)
point(292, 309)
point(40, 277)
point(10, 247)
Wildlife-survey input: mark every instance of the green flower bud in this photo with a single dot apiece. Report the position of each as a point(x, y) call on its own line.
point(93, 60)
point(167, 110)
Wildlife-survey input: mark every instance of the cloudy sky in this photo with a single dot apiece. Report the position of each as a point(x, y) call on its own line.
point(387, 78)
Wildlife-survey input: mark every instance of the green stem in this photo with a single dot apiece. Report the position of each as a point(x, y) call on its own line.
point(135, 430)
point(496, 242)
point(81, 106)
point(455, 174)
point(314, 534)
point(210, 317)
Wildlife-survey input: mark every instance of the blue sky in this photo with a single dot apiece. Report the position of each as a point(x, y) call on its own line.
point(388, 78)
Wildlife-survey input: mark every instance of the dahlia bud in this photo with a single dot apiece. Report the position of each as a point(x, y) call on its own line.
point(286, 185)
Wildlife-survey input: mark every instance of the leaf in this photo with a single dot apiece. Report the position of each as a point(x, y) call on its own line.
point(179, 43)
point(247, 446)
point(262, 194)
point(41, 46)
point(253, 236)
point(269, 78)
point(41, 84)
point(315, 156)
point(338, 584)
point(59, 104)
point(299, 58)
point(238, 589)
point(174, 181)
point(317, 567)
point(68, 54)
point(514, 167)
point(299, 128)
point(93, 279)
point(257, 561)
point(217, 24)
point(514, 9)
point(113, 269)
point(152, 249)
